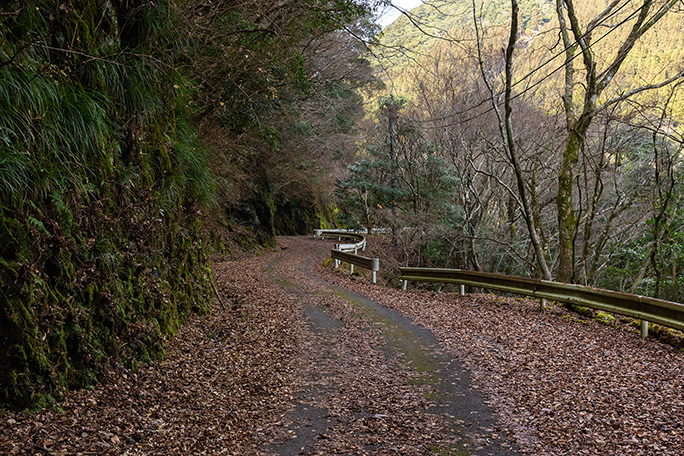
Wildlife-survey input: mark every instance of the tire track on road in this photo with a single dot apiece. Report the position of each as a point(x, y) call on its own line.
point(418, 399)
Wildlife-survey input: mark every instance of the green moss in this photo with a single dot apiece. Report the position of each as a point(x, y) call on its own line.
point(449, 451)
point(584, 311)
point(605, 318)
point(14, 240)
point(635, 323)
point(100, 258)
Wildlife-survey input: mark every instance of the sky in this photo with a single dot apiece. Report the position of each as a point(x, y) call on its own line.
point(390, 14)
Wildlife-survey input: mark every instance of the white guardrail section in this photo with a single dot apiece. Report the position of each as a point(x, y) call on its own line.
point(349, 252)
point(339, 234)
point(666, 313)
point(361, 231)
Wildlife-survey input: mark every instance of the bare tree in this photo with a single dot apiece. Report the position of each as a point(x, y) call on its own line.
point(580, 112)
point(506, 131)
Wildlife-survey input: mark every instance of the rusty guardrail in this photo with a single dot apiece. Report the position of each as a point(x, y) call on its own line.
point(666, 313)
point(373, 264)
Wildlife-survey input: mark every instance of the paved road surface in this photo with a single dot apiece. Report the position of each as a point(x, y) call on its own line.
point(372, 382)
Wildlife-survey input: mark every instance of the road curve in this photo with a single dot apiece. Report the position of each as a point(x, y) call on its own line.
point(370, 381)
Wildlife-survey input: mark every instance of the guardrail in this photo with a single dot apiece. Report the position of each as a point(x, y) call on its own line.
point(317, 233)
point(340, 233)
point(666, 313)
point(362, 231)
point(373, 264)
point(348, 252)
point(360, 238)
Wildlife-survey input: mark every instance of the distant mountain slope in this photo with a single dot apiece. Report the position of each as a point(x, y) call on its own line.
point(424, 26)
point(445, 27)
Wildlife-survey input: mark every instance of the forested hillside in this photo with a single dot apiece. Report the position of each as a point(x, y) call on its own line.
point(544, 141)
point(133, 136)
point(419, 38)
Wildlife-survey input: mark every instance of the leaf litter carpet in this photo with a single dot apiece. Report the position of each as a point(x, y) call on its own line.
point(285, 368)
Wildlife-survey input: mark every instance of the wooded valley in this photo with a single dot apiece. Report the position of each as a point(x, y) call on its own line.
point(531, 148)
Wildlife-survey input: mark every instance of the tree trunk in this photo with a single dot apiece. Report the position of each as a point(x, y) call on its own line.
point(566, 210)
point(594, 84)
point(506, 130)
point(393, 184)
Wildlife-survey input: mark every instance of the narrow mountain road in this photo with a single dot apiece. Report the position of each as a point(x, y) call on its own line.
point(371, 381)
point(558, 383)
point(300, 359)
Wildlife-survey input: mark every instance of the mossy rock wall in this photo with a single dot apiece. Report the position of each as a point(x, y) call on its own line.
point(101, 180)
point(268, 215)
point(103, 176)
point(72, 305)
point(296, 217)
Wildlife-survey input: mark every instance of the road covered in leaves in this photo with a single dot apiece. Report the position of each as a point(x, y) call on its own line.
point(299, 358)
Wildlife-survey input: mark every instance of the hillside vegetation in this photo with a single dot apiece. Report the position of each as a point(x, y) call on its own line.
point(133, 135)
point(138, 138)
point(552, 150)
point(419, 40)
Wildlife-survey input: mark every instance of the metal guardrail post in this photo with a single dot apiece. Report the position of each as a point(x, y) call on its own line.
point(373, 264)
point(644, 329)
